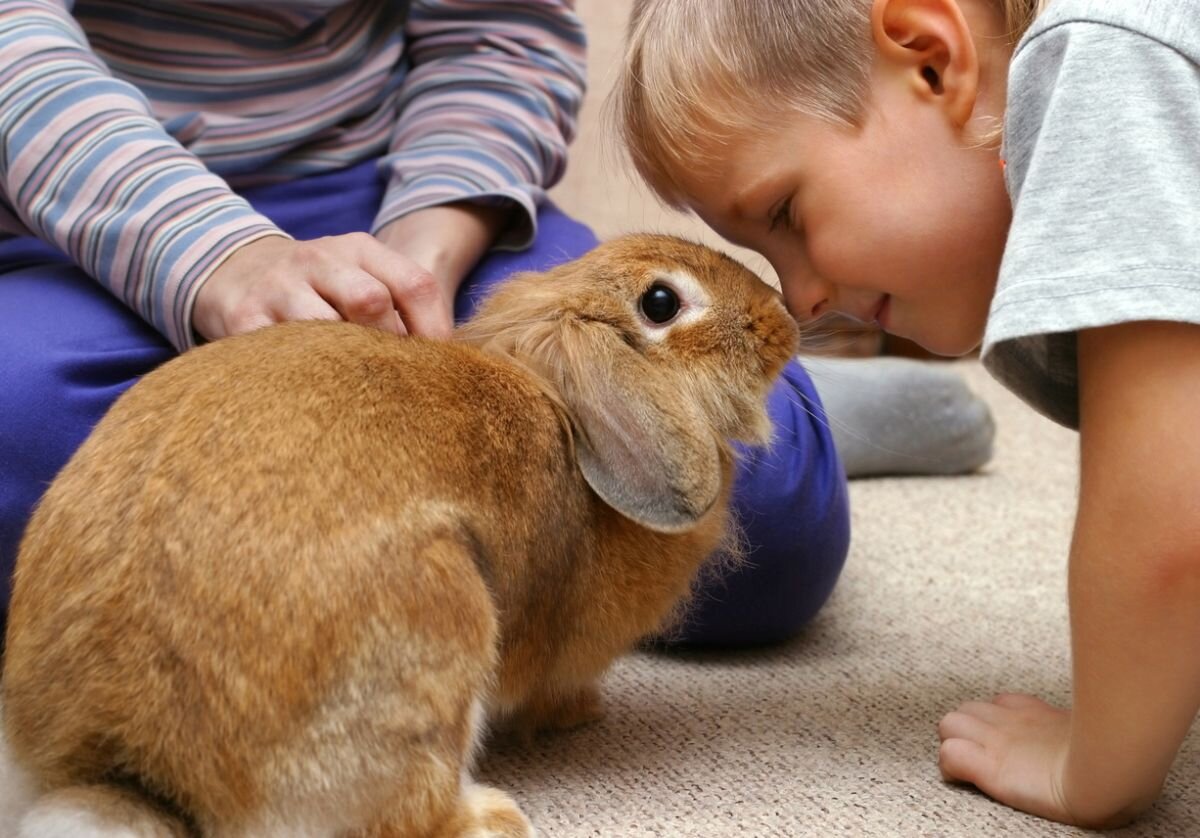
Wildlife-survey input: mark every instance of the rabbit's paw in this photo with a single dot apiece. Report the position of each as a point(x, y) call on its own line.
point(486, 812)
point(582, 707)
point(479, 812)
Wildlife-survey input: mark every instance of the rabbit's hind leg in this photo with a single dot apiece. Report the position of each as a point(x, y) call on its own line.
point(475, 812)
point(98, 811)
point(435, 797)
point(378, 762)
point(386, 752)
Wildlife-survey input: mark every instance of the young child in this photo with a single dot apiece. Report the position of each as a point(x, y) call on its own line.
point(856, 144)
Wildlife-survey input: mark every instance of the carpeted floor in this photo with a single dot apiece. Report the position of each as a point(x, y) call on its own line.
point(955, 589)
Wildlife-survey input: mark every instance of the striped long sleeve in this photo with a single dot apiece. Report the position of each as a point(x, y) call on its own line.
point(85, 165)
point(488, 106)
point(125, 125)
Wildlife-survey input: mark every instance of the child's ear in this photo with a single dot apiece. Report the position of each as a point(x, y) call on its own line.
point(929, 42)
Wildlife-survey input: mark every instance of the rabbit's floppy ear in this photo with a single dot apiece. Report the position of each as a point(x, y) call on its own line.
point(642, 446)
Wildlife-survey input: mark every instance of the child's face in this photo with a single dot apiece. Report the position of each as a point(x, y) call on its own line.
point(897, 221)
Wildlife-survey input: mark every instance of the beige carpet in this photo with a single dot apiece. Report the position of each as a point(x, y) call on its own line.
point(955, 589)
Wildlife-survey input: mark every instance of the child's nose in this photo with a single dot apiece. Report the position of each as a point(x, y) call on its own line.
point(807, 298)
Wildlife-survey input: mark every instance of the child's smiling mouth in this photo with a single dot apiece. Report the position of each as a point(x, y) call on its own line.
point(879, 317)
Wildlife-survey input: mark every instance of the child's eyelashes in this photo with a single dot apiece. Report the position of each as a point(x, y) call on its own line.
point(781, 215)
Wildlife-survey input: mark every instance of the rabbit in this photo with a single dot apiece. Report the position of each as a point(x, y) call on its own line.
point(292, 577)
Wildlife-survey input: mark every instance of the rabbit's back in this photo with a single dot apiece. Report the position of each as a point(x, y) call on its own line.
point(245, 537)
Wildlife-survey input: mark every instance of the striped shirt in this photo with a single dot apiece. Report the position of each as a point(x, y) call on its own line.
point(125, 123)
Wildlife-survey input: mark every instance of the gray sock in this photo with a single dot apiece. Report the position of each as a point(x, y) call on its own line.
point(900, 416)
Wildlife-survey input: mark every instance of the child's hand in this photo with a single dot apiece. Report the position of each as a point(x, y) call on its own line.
point(448, 239)
point(351, 277)
point(1013, 748)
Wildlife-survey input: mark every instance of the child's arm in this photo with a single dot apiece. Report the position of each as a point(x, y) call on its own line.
point(1134, 593)
point(487, 108)
point(88, 168)
point(447, 239)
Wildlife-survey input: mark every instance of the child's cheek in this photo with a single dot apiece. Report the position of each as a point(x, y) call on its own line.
point(848, 256)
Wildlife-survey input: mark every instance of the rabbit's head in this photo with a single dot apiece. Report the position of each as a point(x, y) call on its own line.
point(659, 353)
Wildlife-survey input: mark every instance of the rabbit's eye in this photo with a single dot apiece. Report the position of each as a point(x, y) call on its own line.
point(660, 303)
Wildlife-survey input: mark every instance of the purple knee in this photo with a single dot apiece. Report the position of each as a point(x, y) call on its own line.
point(792, 506)
point(69, 349)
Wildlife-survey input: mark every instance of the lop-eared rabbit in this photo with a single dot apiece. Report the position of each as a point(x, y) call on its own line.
point(293, 576)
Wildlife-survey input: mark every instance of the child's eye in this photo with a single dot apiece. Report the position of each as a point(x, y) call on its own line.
point(782, 215)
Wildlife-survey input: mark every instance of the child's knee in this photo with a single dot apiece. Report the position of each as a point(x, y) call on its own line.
point(792, 507)
point(774, 594)
point(790, 568)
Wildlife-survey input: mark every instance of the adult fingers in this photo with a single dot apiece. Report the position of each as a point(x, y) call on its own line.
point(305, 303)
point(296, 303)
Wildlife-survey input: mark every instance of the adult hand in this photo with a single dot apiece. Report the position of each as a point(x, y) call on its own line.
point(350, 277)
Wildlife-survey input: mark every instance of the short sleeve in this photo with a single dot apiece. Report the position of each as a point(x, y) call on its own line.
point(1103, 166)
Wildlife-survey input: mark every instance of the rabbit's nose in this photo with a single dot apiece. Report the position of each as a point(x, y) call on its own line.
point(775, 329)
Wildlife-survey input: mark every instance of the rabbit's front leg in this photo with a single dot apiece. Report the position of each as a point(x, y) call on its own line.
point(551, 712)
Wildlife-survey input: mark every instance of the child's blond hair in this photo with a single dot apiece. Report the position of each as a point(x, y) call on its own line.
point(697, 73)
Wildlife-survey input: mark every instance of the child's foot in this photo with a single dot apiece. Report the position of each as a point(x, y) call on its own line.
point(899, 416)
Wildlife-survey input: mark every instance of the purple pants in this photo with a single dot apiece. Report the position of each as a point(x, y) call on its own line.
point(68, 349)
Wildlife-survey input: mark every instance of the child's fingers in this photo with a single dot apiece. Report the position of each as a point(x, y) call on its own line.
point(415, 292)
point(964, 761)
point(959, 725)
point(358, 296)
point(988, 711)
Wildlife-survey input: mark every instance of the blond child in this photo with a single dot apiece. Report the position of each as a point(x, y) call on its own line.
point(1015, 174)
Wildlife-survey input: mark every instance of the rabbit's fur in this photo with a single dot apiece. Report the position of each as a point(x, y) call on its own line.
point(283, 584)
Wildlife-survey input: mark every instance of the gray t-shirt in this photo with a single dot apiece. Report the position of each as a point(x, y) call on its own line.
point(1102, 142)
